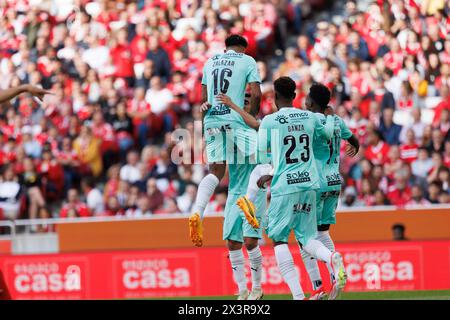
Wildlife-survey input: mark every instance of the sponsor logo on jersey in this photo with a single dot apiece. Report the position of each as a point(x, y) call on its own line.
point(282, 119)
point(298, 177)
point(219, 110)
point(299, 115)
point(334, 179)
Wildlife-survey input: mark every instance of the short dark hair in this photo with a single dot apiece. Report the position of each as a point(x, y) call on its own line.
point(320, 94)
point(285, 87)
point(88, 181)
point(398, 226)
point(236, 40)
point(378, 133)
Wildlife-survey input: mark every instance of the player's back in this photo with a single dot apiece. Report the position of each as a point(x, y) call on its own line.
point(228, 73)
point(327, 154)
point(291, 132)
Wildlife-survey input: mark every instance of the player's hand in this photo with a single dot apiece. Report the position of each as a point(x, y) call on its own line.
point(329, 111)
point(36, 91)
point(222, 98)
point(205, 106)
point(350, 150)
point(263, 181)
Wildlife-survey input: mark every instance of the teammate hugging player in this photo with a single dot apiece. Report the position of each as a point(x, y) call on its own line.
point(230, 140)
point(327, 155)
point(289, 134)
point(327, 160)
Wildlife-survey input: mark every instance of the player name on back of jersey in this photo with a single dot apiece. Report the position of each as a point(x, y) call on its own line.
point(223, 63)
point(296, 127)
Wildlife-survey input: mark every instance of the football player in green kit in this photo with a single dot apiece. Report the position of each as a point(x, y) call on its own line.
point(289, 134)
point(327, 155)
point(230, 141)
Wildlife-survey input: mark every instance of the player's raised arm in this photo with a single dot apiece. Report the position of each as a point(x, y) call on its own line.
point(247, 117)
point(255, 98)
point(352, 148)
point(204, 93)
point(8, 94)
point(254, 82)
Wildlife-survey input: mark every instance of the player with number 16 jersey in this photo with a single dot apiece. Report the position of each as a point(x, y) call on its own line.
point(228, 73)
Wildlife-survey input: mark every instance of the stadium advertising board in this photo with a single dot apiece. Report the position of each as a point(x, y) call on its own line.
point(205, 271)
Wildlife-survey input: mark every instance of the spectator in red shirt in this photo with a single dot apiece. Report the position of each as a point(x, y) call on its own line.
point(410, 149)
point(106, 134)
point(443, 104)
point(399, 193)
point(447, 153)
point(74, 207)
point(154, 195)
point(366, 193)
point(52, 175)
point(122, 58)
point(139, 111)
point(377, 149)
point(113, 207)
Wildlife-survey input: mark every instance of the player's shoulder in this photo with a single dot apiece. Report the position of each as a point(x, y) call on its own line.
point(319, 116)
point(339, 120)
point(249, 58)
point(268, 119)
point(213, 58)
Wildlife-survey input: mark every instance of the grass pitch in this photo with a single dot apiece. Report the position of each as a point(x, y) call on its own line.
point(379, 295)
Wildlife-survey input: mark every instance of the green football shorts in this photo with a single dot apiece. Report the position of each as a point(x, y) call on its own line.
point(235, 225)
point(293, 212)
point(225, 140)
point(326, 207)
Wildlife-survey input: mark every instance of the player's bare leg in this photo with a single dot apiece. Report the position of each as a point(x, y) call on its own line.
point(237, 261)
point(205, 191)
point(255, 257)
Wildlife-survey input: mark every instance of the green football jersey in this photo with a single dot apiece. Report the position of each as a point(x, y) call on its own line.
point(327, 154)
point(289, 134)
point(228, 73)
